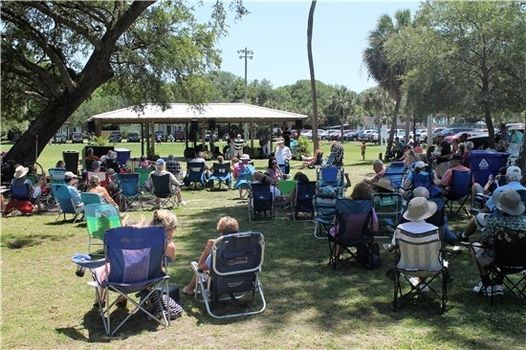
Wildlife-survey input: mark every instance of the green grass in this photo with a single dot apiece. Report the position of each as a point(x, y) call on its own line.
point(44, 305)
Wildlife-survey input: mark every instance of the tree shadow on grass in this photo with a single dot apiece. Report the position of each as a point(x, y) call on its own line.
point(30, 241)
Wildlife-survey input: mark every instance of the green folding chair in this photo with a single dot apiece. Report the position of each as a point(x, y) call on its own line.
point(99, 219)
point(286, 186)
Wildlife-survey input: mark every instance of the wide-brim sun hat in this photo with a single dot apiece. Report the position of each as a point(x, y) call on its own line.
point(385, 184)
point(70, 175)
point(20, 171)
point(420, 208)
point(510, 202)
point(244, 156)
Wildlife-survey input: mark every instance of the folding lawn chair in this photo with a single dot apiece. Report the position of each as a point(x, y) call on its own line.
point(56, 175)
point(395, 173)
point(244, 179)
point(260, 202)
point(330, 176)
point(130, 190)
point(195, 175)
point(388, 206)
point(303, 199)
point(143, 176)
point(65, 202)
point(221, 174)
point(324, 215)
point(99, 218)
point(236, 261)
point(90, 198)
point(138, 263)
point(353, 219)
point(163, 191)
point(459, 192)
point(286, 187)
point(422, 266)
point(330, 159)
point(101, 175)
point(318, 161)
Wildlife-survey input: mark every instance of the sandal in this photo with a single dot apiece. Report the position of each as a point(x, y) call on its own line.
point(121, 303)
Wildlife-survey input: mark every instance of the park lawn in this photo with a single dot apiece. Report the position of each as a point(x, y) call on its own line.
point(44, 305)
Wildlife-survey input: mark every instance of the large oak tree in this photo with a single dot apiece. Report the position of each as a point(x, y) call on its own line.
point(55, 54)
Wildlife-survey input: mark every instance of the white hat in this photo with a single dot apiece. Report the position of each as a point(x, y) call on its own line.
point(20, 171)
point(421, 191)
point(244, 157)
point(510, 202)
point(69, 175)
point(419, 208)
point(419, 165)
point(514, 173)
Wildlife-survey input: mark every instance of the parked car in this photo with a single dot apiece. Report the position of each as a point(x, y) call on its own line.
point(134, 137)
point(322, 134)
point(59, 138)
point(457, 136)
point(77, 137)
point(115, 136)
point(350, 135)
point(334, 134)
point(178, 135)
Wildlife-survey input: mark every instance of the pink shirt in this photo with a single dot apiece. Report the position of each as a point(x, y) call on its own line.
point(446, 178)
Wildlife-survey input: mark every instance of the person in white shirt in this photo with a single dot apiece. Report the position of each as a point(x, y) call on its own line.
point(283, 155)
point(174, 183)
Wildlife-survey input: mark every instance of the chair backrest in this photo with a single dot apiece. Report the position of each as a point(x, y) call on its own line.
point(220, 170)
point(330, 159)
point(195, 169)
point(420, 251)
point(305, 192)
point(161, 185)
point(510, 257)
point(319, 159)
point(56, 175)
point(522, 193)
point(387, 203)
point(420, 179)
point(246, 173)
point(236, 259)
point(330, 175)
point(395, 168)
point(20, 191)
point(353, 218)
point(90, 198)
point(129, 184)
point(143, 175)
point(101, 217)
point(460, 184)
point(260, 192)
point(325, 208)
point(286, 186)
point(136, 254)
point(63, 197)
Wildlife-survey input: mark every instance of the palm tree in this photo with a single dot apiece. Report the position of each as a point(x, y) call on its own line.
point(312, 77)
point(387, 74)
point(343, 104)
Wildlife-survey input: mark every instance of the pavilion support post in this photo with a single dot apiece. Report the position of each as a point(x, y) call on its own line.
point(186, 134)
point(270, 139)
point(252, 134)
point(152, 134)
point(203, 135)
point(142, 139)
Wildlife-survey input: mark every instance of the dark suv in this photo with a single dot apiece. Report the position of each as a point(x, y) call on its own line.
point(134, 137)
point(115, 136)
point(77, 137)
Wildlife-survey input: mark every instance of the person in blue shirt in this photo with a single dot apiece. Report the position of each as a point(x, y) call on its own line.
point(71, 181)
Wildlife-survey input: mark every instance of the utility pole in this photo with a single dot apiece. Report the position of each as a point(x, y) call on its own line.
point(245, 54)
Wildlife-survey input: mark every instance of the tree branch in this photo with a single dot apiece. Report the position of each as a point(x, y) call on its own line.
point(52, 52)
point(63, 20)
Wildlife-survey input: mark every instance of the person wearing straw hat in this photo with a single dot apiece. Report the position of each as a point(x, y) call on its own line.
point(21, 191)
point(509, 218)
point(418, 210)
point(283, 155)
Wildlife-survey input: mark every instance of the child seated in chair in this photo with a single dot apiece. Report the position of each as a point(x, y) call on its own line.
point(225, 225)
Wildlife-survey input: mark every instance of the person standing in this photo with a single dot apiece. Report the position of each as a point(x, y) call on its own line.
point(363, 147)
point(515, 143)
point(283, 155)
point(504, 134)
point(238, 144)
point(337, 149)
point(286, 137)
point(263, 142)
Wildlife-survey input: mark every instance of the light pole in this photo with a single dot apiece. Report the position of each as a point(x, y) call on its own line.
point(245, 54)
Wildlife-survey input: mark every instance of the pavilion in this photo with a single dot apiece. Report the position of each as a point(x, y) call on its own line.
point(183, 113)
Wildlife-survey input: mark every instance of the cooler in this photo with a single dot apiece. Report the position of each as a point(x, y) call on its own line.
point(123, 155)
point(71, 158)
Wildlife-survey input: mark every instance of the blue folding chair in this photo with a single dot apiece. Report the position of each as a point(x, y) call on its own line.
point(221, 174)
point(244, 179)
point(138, 263)
point(324, 215)
point(260, 202)
point(130, 190)
point(57, 175)
point(162, 190)
point(90, 198)
point(459, 192)
point(353, 219)
point(65, 202)
point(395, 173)
point(303, 199)
point(195, 175)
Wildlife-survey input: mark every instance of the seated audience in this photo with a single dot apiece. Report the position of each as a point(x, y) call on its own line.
point(174, 166)
point(71, 181)
point(95, 187)
point(274, 171)
point(225, 225)
point(21, 193)
point(455, 164)
point(174, 183)
point(509, 218)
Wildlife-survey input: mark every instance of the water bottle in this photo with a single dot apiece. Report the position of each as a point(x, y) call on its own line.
point(80, 271)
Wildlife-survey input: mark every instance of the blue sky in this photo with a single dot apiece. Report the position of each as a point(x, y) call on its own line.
point(277, 33)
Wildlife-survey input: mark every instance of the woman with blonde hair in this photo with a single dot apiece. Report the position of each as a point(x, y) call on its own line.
point(95, 187)
point(225, 225)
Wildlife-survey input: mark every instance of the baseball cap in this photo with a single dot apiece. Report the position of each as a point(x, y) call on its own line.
point(159, 161)
point(69, 175)
point(513, 173)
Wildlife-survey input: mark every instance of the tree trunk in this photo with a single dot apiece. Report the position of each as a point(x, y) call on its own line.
point(312, 77)
point(393, 127)
point(522, 157)
point(50, 120)
point(489, 125)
